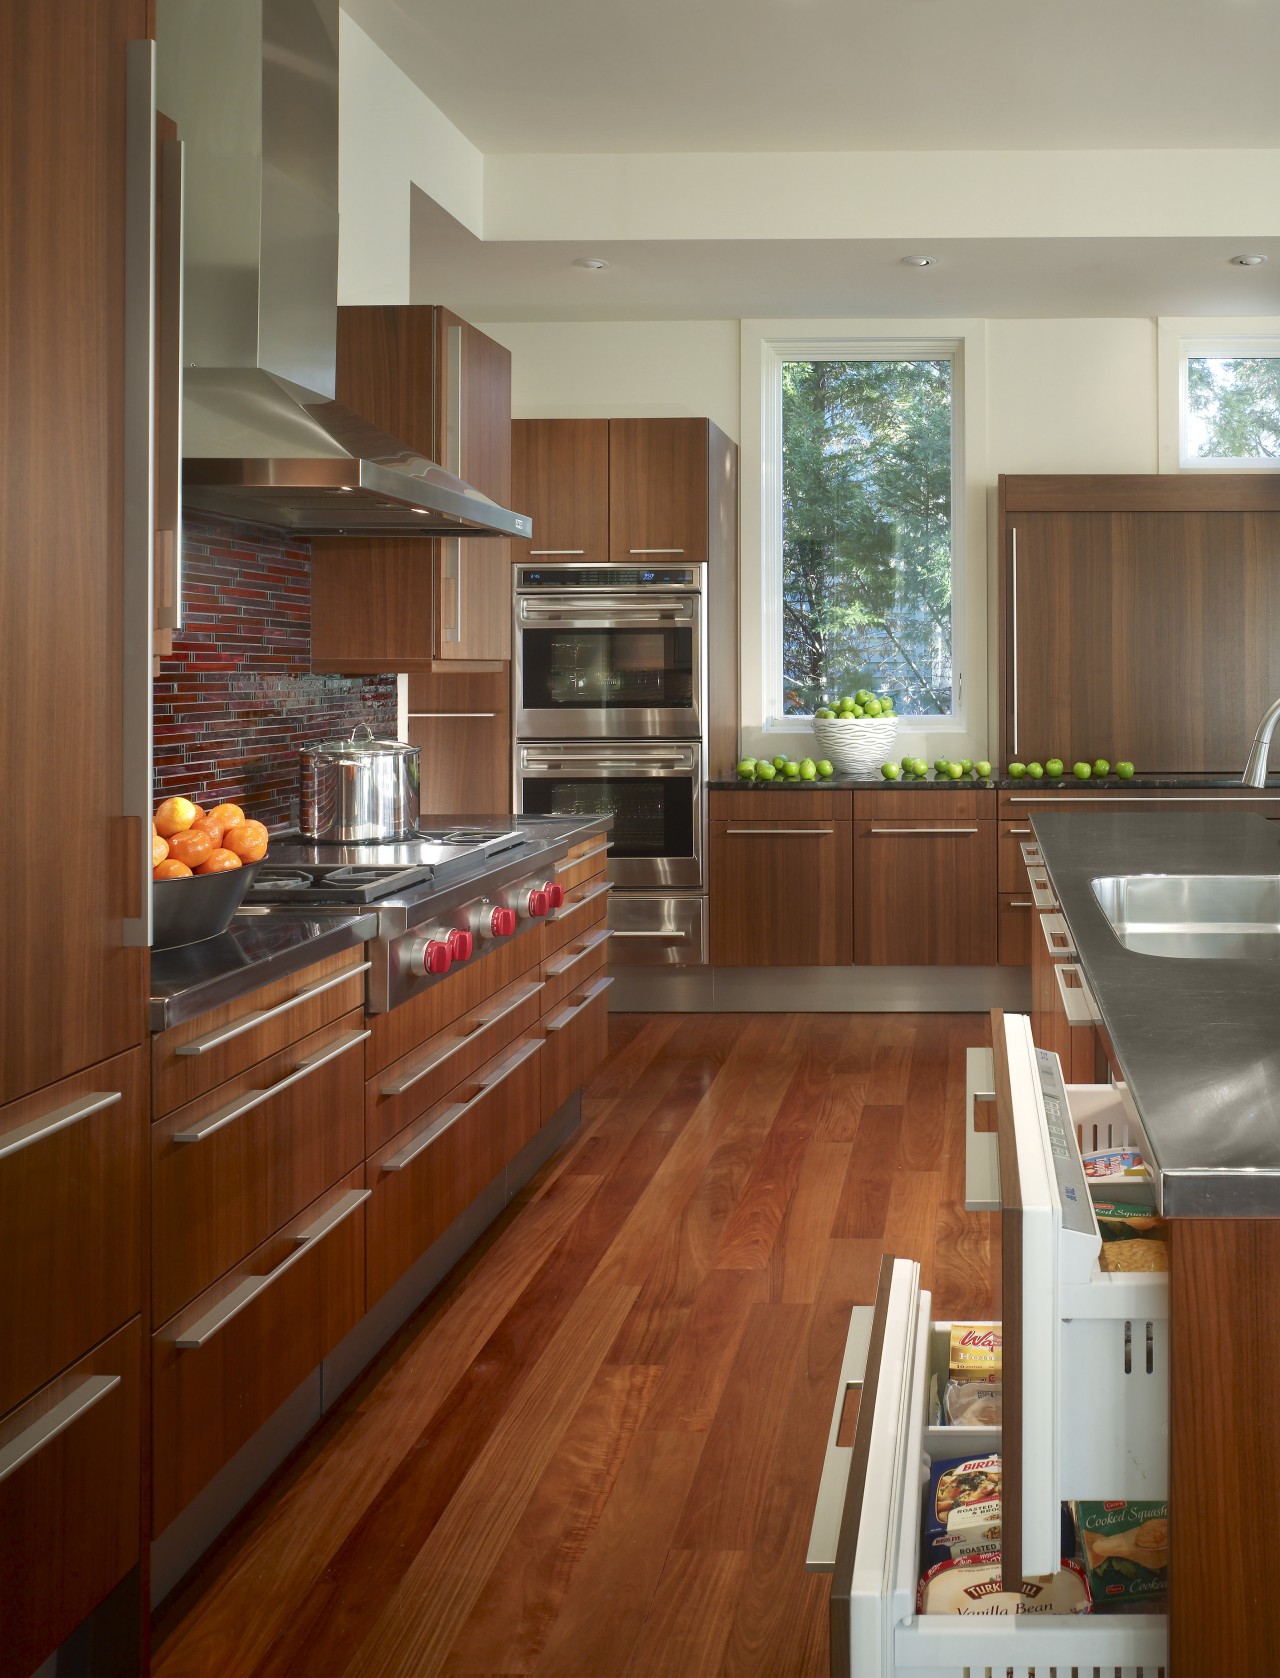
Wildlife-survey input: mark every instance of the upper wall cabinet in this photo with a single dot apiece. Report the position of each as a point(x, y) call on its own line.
point(659, 490)
point(435, 382)
point(560, 477)
point(1139, 618)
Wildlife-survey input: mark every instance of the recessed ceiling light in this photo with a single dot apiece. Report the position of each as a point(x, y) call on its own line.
point(917, 262)
point(592, 262)
point(1250, 260)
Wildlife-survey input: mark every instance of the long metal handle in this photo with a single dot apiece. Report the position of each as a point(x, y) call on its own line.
point(169, 355)
point(1057, 936)
point(200, 1333)
point(592, 942)
point(450, 1116)
point(1077, 998)
point(451, 559)
point(1014, 620)
point(891, 832)
point(255, 1098)
point(791, 832)
point(427, 716)
point(1020, 903)
point(1011, 831)
point(138, 472)
point(569, 862)
point(451, 1045)
point(551, 553)
point(1042, 893)
point(669, 937)
point(655, 550)
point(50, 1123)
point(599, 767)
point(570, 905)
point(44, 1431)
point(559, 1021)
point(1158, 799)
point(249, 1022)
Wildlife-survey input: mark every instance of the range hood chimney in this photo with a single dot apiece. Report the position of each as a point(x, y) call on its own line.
point(253, 87)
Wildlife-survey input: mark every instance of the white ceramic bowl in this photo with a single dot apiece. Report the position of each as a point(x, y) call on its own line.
point(855, 745)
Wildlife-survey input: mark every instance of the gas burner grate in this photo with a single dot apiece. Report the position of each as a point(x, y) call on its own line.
point(359, 875)
point(282, 879)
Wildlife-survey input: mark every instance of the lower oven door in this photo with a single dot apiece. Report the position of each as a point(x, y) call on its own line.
point(657, 929)
point(653, 793)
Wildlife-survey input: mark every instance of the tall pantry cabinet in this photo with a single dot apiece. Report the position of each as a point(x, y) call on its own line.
point(73, 1076)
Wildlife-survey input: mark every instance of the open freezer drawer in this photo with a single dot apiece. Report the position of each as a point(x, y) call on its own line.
point(872, 1548)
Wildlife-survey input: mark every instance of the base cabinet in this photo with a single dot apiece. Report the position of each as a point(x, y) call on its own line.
point(781, 891)
point(924, 892)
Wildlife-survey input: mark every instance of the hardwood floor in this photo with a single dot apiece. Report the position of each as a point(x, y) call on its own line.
point(594, 1452)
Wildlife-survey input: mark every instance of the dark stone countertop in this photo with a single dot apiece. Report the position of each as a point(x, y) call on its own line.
point(1197, 1040)
point(266, 942)
point(1001, 783)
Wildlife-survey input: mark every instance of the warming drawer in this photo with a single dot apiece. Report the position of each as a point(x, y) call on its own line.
point(653, 930)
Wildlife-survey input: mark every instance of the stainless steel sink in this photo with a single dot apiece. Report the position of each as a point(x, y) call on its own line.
point(1199, 917)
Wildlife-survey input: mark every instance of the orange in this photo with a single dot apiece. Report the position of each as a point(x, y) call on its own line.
point(193, 846)
point(227, 814)
point(211, 825)
point(159, 849)
point(175, 815)
point(248, 840)
point(219, 862)
point(171, 870)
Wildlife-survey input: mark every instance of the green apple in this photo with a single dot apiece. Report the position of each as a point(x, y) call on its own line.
point(1054, 768)
point(825, 768)
point(747, 769)
point(808, 769)
point(1082, 771)
point(791, 770)
point(1101, 766)
point(1017, 771)
point(1036, 771)
point(779, 763)
point(966, 763)
point(983, 768)
point(1125, 771)
point(954, 771)
point(890, 771)
point(765, 772)
point(824, 712)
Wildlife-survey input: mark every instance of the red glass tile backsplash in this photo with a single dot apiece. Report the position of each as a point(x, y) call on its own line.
point(238, 697)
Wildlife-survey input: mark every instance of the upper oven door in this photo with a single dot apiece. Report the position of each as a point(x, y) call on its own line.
point(596, 665)
point(653, 793)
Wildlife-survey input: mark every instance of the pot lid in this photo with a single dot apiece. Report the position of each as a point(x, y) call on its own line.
point(360, 743)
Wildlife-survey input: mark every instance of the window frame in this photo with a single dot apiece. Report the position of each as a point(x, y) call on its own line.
point(766, 345)
point(1184, 340)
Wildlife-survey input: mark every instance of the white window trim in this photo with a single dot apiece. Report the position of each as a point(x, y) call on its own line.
point(1180, 337)
point(765, 346)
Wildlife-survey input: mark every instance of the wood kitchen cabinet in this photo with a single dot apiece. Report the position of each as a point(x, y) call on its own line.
point(924, 884)
point(781, 882)
point(560, 477)
point(379, 604)
point(461, 723)
point(1138, 617)
point(662, 479)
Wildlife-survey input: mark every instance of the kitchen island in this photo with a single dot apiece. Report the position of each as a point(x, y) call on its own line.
point(1196, 1040)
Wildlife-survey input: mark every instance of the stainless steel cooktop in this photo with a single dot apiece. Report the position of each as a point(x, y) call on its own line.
point(296, 870)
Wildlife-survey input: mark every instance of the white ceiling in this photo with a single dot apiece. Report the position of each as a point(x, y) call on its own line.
point(729, 279)
point(840, 75)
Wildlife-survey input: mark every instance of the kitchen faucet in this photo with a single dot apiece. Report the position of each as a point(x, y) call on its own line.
point(1255, 771)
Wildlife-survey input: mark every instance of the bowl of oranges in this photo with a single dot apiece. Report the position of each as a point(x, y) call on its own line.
point(202, 864)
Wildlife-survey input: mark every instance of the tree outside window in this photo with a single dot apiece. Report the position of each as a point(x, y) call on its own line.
point(1233, 408)
point(867, 532)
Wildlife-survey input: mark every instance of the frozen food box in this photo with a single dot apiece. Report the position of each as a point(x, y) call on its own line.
point(1114, 1162)
point(975, 1351)
point(973, 1586)
point(962, 1508)
point(1125, 1550)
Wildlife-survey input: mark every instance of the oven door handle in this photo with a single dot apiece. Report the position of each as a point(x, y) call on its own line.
point(592, 766)
point(593, 614)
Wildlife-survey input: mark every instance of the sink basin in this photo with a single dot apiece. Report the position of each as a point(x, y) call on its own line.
point(1199, 917)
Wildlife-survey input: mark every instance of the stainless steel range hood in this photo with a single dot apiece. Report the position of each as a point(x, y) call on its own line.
point(253, 86)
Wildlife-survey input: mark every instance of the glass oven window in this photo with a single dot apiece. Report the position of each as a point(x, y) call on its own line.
point(608, 669)
point(652, 816)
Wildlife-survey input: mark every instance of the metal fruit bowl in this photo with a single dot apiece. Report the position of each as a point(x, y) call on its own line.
point(856, 745)
point(185, 911)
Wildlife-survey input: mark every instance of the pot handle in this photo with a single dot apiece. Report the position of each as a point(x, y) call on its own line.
point(368, 732)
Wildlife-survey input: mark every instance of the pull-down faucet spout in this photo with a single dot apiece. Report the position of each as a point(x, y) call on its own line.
point(1255, 771)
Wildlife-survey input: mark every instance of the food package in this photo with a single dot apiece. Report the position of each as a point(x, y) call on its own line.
point(962, 1508)
point(1125, 1549)
point(1122, 1220)
point(972, 1403)
point(973, 1586)
point(975, 1351)
point(1139, 1254)
point(1114, 1162)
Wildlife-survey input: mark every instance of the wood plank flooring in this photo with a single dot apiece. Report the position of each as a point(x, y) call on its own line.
point(593, 1453)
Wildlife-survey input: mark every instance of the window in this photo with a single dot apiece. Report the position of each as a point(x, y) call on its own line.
point(866, 531)
point(1231, 405)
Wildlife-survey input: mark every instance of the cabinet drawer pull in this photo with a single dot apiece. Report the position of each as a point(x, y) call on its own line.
point(655, 550)
point(569, 862)
point(451, 1045)
point(428, 716)
point(199, 1334)
point(1042, 894)
point(44, 1431)
point(215, 1039)
point(1031, 855)
point(1022, 903)
point(255, 1098)
point(550, 553)
point(49, 1123)
point(671, 937)
point(558, 1021)
point(450, 1116)
point(1013, 619)
point(1077, 998)
point(569, 905)
point(1155, 798)
point(1057, 937)
point(789, 832)
point(554, 970)
point(890, 832)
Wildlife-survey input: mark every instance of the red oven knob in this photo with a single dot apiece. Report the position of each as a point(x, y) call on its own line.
point(430, 957)
point(535, 903)
point(460, 943)
point(555, 894)
point(503, 922)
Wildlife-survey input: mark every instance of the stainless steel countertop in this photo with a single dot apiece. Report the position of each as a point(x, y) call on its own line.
point(1198, 1042)
point(266, 942)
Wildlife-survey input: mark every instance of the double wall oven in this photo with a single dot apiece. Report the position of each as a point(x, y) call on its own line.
point(610, 701)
